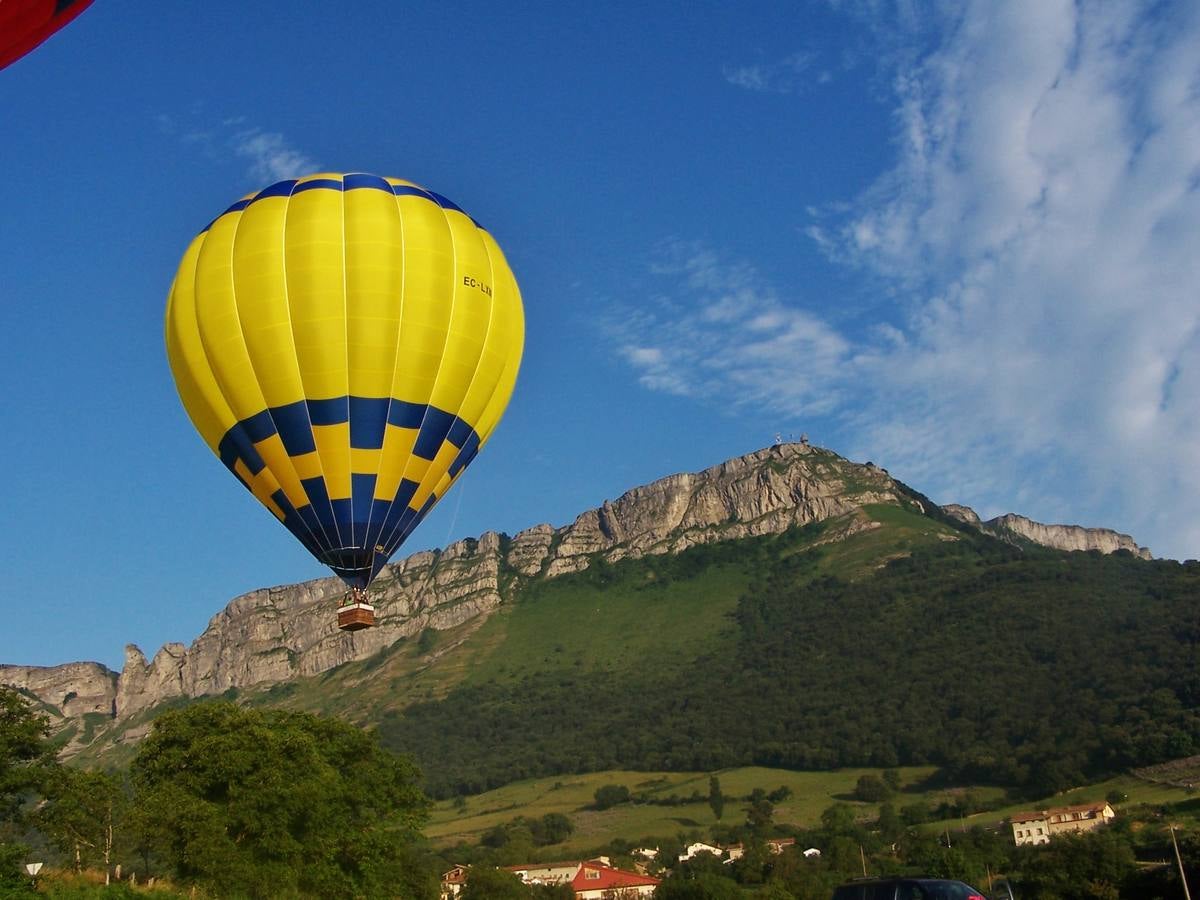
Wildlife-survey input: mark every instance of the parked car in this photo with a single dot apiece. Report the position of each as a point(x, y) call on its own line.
point(907, 889)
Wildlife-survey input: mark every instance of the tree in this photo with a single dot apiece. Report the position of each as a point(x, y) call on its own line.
point(780, 794)
point(703, 887)
point(759, 813)
point(838, 819)
point(26, 763)
point(81, 815)
point(551, 892)
point(25, 756)
point(610, 795)
point(716, 800)
point(265, 804)
point(871, 789)
point(1083, 865)
point(552, 828)
point(14, 883)
point(890, 826)
point(486, 883)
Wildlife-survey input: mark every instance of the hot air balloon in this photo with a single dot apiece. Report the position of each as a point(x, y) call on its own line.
point(26, 23)
point(345, 344)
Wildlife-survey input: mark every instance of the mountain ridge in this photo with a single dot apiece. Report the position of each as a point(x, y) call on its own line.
point(273, 635)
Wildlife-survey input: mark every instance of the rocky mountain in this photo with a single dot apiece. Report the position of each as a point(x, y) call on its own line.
point(278, 634)
point(1014, 528)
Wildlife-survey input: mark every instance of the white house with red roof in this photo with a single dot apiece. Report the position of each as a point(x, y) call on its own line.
point(1039, 826)
point(453, 882)
point(589, 879)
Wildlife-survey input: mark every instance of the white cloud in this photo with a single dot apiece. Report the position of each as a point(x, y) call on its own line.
point(1040, 226)
point(271, 157)
point(725, 332)
point(781, 76)
point(1045, 212)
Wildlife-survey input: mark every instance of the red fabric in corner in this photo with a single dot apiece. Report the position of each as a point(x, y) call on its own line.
point(26, 23)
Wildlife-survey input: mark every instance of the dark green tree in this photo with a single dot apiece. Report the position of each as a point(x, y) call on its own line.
point(716, 800)
point(780, 794)
point(760, 813)
point(82, 815)
point(890, 825)
point(551, 892)
point(702, 887)
point(26, 764)
point(610, 795)
point(552, 828)
point(487, 883)
point(871, 789)
point(1079, 866)
point(26, 758)
point(14, 883)
point(838, 819)
point(267, 804)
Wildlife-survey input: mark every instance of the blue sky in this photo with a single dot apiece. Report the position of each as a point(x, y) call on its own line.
point(956, 239)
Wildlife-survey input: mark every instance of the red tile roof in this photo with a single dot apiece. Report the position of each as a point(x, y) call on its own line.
point(607, 877)
point(1039, 815)
point(1017, 818)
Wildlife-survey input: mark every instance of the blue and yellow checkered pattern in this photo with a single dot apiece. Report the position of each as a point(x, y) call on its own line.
point(345, 344)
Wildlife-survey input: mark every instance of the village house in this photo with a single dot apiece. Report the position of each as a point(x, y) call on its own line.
point(590, 879)
point(1039, 826)
point(699, 847)
point(778, 845)
point(453, 882)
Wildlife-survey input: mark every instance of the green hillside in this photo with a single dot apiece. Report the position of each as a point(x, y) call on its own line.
point(906, 644)
point(811, 794)
point(886, 638)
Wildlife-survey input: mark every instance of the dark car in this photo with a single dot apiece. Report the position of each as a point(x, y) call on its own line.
point(907, 889)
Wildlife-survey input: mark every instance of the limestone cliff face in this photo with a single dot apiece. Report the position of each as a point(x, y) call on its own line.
point(74, 689)
point(1066, 537)
point(1057, 537)
point(276, 634)
point(67, 693)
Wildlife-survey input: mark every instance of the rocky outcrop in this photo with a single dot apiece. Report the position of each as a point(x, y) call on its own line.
point(275, 634)
point(964, 514)
point(70, 690)
point(1014, 528)
point(1065, 537)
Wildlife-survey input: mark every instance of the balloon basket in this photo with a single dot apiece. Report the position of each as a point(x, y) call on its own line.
point(356, 616)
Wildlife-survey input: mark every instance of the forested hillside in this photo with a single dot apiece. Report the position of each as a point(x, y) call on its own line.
point(1031, 668)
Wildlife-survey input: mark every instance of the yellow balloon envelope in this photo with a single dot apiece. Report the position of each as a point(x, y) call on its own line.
point(345, 344)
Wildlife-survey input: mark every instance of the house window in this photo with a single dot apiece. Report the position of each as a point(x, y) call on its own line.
point(592, 874)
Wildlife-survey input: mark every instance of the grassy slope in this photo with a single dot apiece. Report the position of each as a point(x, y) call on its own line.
point(812, 793)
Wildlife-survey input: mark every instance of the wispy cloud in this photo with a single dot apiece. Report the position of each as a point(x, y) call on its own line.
point(722, 331)
point(269, 155)
point(781, 76)
point(1040, 227)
